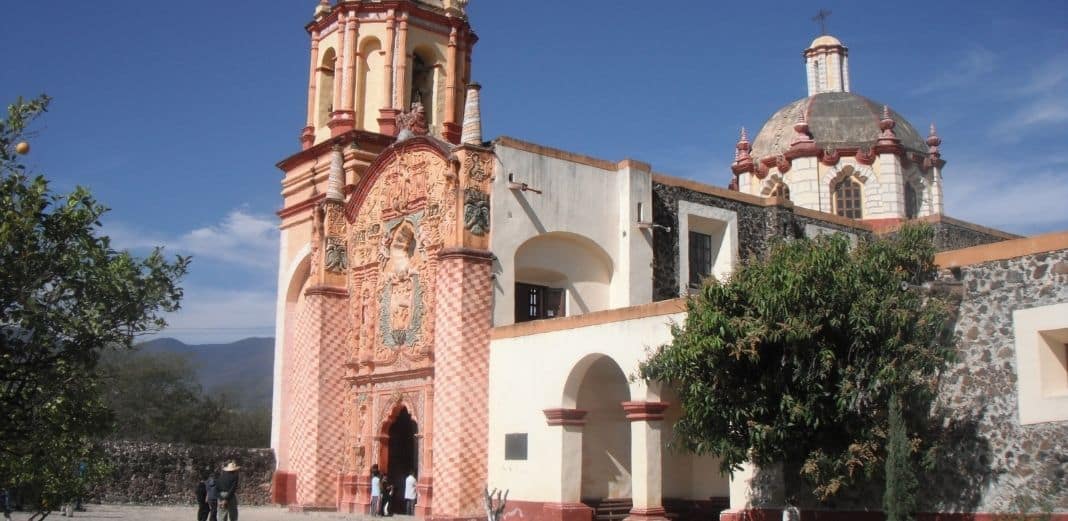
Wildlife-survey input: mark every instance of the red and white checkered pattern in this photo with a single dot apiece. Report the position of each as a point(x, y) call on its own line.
point(461, 383)
point(317, 388)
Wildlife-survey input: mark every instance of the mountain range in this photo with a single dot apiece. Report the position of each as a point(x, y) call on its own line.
point(245, 366)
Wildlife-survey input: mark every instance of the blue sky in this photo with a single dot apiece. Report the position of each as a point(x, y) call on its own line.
point(174, 113)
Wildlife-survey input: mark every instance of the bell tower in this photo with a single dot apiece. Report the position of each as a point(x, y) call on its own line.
point(375, 66)
point(372, 59)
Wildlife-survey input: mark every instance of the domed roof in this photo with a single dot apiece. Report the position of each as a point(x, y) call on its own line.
point(824, 40)
point(835, 120)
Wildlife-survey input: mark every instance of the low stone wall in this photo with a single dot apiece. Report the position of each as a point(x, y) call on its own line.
point(167, 473)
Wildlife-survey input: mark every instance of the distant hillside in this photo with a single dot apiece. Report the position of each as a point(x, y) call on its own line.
point(245, 366)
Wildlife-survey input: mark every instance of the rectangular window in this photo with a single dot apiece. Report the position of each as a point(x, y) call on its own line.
point(534, 302)
point(515, 446)
point(700, 257)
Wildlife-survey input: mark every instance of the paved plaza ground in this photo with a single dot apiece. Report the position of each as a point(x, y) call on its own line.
point(181, 513)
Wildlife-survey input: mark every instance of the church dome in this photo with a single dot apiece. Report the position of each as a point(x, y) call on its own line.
point(836, 120)
point(824, 40)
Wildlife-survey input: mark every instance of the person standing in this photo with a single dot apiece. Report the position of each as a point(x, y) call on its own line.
point(387, 496)
point(212, 497)
point(227, 484)
point(409, 494)
point(376, 490)
point(202, 500)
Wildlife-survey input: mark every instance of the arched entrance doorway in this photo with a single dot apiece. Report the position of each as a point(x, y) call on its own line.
point(606, 470)
point(403, 455)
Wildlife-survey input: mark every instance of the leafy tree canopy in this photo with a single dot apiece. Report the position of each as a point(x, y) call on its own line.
point(66, 296)
point(156, 397)
point(795, 358)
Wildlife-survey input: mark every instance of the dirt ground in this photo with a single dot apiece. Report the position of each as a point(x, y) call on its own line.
point(180, 513)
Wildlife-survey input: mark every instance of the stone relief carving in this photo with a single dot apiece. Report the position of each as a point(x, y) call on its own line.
point(336, 257)
point(476, 211)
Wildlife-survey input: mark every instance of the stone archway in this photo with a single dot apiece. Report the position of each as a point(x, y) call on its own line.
point(402, 454)
point(606, 437)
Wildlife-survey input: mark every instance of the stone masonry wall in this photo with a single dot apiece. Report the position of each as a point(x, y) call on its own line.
point(757, 226)
point(167, 473)
point(1004, 460)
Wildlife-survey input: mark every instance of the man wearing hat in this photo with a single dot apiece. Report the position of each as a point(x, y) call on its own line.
point(227, 484)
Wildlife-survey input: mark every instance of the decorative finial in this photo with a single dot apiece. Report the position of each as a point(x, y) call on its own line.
point(934, 154)
point(887, 124)
point(336, 180)
point(801, 134)
point(743, 162)
point(821, 17)
point(472, 127)
point(322, 8)
point(742, 148)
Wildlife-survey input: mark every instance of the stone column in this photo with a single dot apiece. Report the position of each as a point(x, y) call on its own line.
point(387, 115)
point(307, 136)
point(568, 505)
point(344, 117)
point(400, 94)
point(339, 69)
point(449, 129)
point(646, 467)
point(461, 382)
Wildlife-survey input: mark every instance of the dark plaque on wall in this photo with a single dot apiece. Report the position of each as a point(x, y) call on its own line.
point(515, 446)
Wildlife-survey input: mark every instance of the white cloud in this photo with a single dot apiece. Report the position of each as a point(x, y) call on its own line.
point(1044, 101)
point(976, 63)
point(239, 238)
point(1020, 198)
point(210, 315)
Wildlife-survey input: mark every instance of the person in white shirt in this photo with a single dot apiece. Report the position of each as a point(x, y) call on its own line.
point(409, 494)
point(376, 491)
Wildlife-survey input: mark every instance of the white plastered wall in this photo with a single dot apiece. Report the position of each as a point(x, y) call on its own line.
point(529, 374)
point(1041, 336)
point(594, 204)
point(721, 224)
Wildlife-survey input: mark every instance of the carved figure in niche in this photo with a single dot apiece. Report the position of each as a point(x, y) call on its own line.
point(336, 257)
point(400, 276)
point(367, 326)
point(476, 212)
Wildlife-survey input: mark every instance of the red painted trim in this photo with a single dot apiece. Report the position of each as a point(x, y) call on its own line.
point(452, 132)
point(556, 417)
point(645, 411)
point(771, 514)
point(283, 487)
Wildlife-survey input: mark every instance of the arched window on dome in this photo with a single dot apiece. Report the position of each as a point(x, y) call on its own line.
point(780, 190)
point(847, 198)
point(912, 201)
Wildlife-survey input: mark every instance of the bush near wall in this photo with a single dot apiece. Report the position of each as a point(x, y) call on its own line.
point(167, 473)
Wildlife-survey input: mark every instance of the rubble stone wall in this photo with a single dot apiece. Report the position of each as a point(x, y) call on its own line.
point(167, 473)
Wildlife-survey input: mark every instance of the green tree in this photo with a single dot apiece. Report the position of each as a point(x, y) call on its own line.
point(899, 499)
point(66, 296)
point(156, 397)
point(794, 359)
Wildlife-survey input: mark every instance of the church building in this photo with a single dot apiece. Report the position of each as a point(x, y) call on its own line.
point(448, 307)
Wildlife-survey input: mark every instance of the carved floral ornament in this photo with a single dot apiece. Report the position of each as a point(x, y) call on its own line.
point(476, 212)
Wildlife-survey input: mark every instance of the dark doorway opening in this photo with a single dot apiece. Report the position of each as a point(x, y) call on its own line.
point(403, 456)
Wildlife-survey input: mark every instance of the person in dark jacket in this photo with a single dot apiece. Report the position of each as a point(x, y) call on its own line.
point(227, 484)
point(212, 497)
point(202, 500)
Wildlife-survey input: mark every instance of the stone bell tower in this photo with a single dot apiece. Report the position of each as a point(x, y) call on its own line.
point(374, 64)
point(370, 60)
